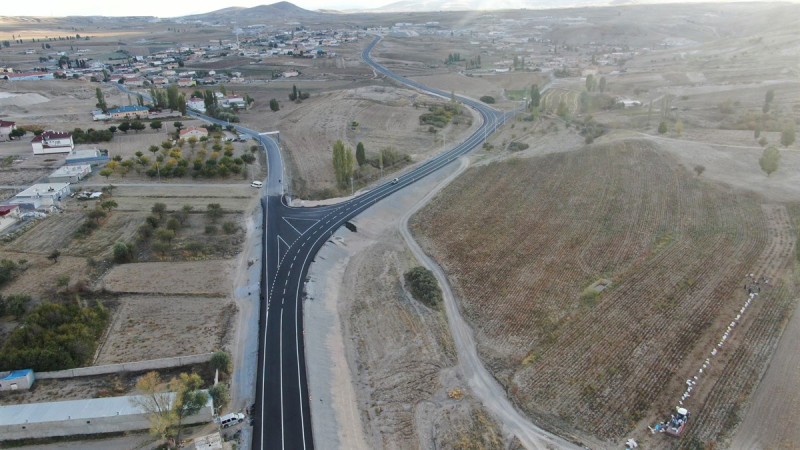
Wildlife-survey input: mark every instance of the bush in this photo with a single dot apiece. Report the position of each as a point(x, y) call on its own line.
point(517, 146)
point(229, 227)
point(124, 253)
point(487, 99)
point(211, 229)
point(423, 286)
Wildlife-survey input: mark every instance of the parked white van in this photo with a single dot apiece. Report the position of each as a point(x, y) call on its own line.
point(229, 420)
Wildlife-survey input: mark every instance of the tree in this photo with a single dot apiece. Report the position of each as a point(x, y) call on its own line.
point(220, 396)
point(423, 286)
point(159, 209)
point(590, 82)
point(123, 253)
point(273, 105)
point(214, 211)
point(663, 127)
point(155, 124)
point(168, 405)
point(106, 172)
point(101, 100)
point(53, 256)
point(17, 132)
point(535, 96)
point(108, 205)
point(165, 235)
point(787, 136)
point(770, 160)
point(221, 361)
point(124, 126)
point(361, 156)
point(293, 94)
point(178, 126)
point(699, 169)
point(137, 125)
point(769, 96)
point(602, 85)
point(679, 127)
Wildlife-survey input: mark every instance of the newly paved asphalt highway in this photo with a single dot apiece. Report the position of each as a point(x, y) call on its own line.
point(292, 239)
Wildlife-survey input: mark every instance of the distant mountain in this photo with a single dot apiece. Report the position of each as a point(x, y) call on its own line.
point(280, 10)
point(482, 5)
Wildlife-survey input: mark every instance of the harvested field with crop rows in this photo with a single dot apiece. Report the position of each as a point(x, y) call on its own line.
point(524, 241)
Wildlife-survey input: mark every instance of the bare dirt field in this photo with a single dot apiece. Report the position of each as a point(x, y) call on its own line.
point(191, 278)
point(398, 373)
point(152, 327)
point(674, 259)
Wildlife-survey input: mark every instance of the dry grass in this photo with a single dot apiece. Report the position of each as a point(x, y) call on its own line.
point(550, 226)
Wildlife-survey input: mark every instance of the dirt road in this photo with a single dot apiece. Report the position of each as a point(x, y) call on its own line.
point(482, 384)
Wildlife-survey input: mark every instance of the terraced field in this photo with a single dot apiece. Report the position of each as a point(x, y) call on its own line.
point(522, 240)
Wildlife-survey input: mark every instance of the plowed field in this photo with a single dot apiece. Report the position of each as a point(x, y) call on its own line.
point(521, 241)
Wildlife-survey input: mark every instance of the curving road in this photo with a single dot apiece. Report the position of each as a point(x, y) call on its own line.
point(292, 238)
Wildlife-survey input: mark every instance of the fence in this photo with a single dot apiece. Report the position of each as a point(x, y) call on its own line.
point(138, 366)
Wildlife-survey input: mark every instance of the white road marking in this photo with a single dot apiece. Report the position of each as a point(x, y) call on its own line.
point(281, 382)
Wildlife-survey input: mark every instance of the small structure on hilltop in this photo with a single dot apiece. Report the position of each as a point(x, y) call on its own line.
point(43, 195)
point(17, 380)
point(51, 142)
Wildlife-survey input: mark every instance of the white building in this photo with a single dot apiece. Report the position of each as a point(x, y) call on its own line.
point(6, 128)
point(197, 104)
point(16, 380)
point(70, 173)
point(42, 195)
point(90, 416)
point(52, 142)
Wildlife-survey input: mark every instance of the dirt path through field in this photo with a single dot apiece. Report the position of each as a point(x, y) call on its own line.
point(482, 384)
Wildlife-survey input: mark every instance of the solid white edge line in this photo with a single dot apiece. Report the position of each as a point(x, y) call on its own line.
point(283, 445)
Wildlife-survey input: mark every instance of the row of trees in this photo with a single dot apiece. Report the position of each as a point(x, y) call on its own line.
point(342, 164)
point(169, 98)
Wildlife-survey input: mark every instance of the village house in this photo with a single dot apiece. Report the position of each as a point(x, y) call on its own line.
point(52, 142)
point(9, 215)
point(134, 81)
point(186, 82)
point(196, 132)
point(43, 195)
point(197, 104)
point(5, 129)
point(93, 157)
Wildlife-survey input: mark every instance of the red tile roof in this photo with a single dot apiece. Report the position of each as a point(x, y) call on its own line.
point(51, 135)
point(3, 123)
point(6, 209)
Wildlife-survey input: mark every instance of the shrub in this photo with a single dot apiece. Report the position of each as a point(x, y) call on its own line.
point(229, 227)
point(487, 99)
point(211, 229)
point(423, 286)
point(123, 253)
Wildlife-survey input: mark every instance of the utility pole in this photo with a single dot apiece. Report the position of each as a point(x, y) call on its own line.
point(352, 192)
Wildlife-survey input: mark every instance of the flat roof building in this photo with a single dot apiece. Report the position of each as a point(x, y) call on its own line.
point(89, 416)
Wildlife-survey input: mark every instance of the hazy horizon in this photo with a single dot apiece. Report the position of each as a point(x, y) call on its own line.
point(57, 8)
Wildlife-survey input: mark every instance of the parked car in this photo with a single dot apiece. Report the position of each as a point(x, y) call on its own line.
point(229, 420)
point(257, 184)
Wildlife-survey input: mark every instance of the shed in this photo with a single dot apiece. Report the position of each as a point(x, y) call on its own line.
point(93, 157)
point(75, 417)
point(16, 380)
point(70, 173)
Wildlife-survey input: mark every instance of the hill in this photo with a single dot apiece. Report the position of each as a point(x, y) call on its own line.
point(524, 241)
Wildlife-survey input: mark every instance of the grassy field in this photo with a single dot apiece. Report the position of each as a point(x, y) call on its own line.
point(522, 241)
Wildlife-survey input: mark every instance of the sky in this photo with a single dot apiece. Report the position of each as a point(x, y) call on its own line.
point(160, 8)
